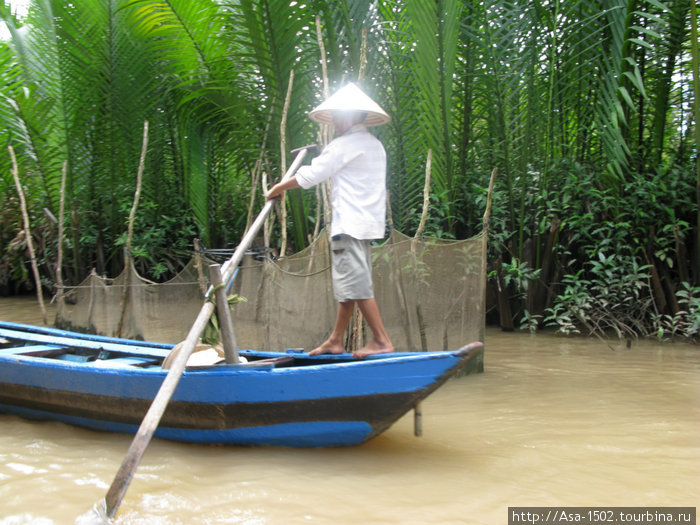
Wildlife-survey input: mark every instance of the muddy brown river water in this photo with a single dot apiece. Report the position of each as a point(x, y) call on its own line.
point(553, 421)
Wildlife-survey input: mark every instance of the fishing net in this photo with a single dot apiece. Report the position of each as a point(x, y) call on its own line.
point(430, 293)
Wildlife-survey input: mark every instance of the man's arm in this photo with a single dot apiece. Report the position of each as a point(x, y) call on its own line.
point(278, 189)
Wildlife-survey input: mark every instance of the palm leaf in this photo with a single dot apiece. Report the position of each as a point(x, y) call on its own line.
point(273, 33)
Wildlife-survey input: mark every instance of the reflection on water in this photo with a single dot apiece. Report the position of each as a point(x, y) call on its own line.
point(552, 421)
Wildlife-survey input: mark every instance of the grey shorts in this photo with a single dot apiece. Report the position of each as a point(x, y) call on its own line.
point(351, 268)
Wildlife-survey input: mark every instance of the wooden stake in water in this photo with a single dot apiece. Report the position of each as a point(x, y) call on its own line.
point(59, 258)
point(28, 234)
point(128, 262)
point(228, 339)
point(418, 420)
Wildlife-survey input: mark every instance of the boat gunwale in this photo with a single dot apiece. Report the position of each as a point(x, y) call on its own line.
point(108, 344)
point(231, 369)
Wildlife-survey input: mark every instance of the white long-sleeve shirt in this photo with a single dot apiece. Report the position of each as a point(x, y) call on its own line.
point(356, 164)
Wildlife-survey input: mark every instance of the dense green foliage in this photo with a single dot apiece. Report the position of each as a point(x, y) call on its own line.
point(586, 107)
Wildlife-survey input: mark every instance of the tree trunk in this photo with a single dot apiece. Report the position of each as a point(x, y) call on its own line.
point(547, 261)
point(504, 310)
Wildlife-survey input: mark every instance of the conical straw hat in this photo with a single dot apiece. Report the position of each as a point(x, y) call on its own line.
point(350, 98)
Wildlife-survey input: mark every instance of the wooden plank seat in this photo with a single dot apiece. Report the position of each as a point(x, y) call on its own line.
point(36, 350)
point(108, 358)
point(79, 355)
point(270, 362)
point(138, 361)
point(276, 362)
point(86, 344)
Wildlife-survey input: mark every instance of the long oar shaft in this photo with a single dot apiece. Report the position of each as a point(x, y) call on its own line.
point(143, 436)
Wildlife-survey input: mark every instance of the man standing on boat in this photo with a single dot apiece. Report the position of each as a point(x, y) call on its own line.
point(355, 161)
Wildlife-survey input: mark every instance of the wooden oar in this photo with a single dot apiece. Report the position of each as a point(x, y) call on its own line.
point(143, 436)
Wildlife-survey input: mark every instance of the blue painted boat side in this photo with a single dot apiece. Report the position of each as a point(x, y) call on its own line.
point(402, 374)
point(298, 434)
point(230, 385)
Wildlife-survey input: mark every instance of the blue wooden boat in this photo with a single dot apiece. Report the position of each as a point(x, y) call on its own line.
point(277, 398)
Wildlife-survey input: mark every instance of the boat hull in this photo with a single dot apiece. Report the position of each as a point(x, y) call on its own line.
point(312, 402)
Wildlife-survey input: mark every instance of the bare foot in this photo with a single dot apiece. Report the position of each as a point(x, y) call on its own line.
point(328, 348)
point(373, 347)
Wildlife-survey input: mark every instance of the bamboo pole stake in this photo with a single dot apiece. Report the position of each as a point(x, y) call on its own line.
point(485, 241)
point(325, 131)
point(363, 56)
point(414, 246)
point(267, 228)
point(317, 225)
point(418, 409)
point(59, 258)
point(426, 197)
point(137, 194)
point(283, 158)
point(254, 178)
point(489, 200)
point(28, 234)
point(198, 262)
point(389, 212)
point(228, 339)
point(324, 63)
point(261, 174)
point(130, 230)
point(418, 420)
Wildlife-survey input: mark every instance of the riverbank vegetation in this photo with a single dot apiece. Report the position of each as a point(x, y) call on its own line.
point(587, 108)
